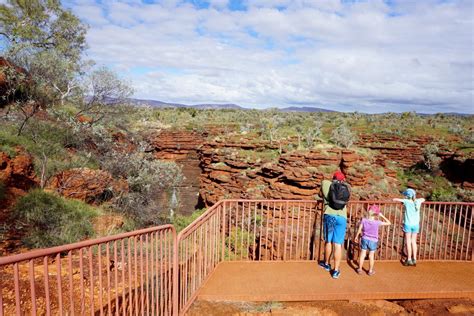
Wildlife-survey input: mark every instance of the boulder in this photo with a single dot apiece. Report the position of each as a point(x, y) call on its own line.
point(91, 186)
point(18, 172)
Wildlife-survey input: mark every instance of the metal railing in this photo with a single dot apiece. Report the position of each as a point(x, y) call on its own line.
point(134, 273)
point(125, 274)
point(288, 230)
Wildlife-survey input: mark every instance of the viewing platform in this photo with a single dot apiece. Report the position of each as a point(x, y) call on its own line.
point(240, 250)
point(306, 281)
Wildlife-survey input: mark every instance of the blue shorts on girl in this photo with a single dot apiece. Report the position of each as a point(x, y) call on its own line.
point(370, 234)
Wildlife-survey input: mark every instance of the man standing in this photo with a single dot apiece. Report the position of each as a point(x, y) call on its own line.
point(335, 195)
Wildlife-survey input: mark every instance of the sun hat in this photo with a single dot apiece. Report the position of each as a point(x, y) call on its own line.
point(375, 209)
point(409, 193)
point(339, 176)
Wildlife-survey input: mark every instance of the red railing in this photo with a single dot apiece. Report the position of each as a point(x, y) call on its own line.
point(127, 274)
point(269, 230)
point(134, 273)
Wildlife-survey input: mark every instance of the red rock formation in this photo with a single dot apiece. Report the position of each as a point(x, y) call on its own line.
point(87, 185)
point(17, 172)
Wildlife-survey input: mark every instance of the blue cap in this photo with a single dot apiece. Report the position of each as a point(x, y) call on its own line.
point(409, 193)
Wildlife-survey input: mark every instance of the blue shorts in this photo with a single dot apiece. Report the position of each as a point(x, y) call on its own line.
point(414, 229)
point(370, 245)
point(334, 228)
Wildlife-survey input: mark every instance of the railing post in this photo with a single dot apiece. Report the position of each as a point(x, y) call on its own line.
point(223, 211)
point(175, 274)
point(286, 231)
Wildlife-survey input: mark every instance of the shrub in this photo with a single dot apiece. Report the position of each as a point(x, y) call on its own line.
point(342, 136)
point(50, 220)
point(152, 186)
point(180, 222)
point(443, 195)
point(443, 191)
point(430, 157)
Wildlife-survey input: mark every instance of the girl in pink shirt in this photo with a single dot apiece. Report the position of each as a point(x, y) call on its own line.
point(369, 228)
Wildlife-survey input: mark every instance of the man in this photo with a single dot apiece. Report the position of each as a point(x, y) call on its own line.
point(335, 195)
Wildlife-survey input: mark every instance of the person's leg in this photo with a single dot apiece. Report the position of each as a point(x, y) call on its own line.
point(409, 250)
point(414, 246)
point(337, 256)
point(327, 252)
point(339, 235)
point(371, 260)
point(363, 252)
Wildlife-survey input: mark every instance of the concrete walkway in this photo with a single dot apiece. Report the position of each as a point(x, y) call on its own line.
point(305, 281)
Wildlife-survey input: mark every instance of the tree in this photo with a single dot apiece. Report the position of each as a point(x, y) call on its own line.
point(47, 41)
point(42, 25)
point(104, 88)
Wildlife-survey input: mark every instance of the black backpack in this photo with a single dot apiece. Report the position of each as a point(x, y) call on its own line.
point(339, 194)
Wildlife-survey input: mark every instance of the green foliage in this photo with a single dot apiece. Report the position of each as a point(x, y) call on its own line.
point(49, 220)
point(153, 186)
point(47, 142)
point(180, 222)
point(343, 136)
point(237, 244)
point(443, 191)
point(430, 156)
point(39, 25)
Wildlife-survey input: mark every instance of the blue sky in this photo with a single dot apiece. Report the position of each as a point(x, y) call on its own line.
point(370, 56)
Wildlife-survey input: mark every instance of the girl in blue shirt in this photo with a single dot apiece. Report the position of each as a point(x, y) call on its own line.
point(411, 224)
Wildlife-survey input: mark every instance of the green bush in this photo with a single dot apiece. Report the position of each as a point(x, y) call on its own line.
point(50, 220)
point(443, 191)
point(180, 222)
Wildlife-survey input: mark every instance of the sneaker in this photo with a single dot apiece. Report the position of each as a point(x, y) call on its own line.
point(407, 263)
point(371, 272)
point(359, 271)
point(335, 274)
point(325, 266)
point(413, 263)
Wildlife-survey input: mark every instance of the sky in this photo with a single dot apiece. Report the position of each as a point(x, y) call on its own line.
point(347, 55)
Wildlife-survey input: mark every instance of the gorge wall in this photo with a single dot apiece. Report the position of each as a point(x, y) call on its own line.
point(222, 167)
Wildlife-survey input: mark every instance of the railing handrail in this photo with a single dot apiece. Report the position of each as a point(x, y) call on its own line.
point(34, 254)
point(198, 220)
point(317, 199)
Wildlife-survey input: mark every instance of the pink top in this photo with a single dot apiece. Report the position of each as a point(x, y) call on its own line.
point(370, 229)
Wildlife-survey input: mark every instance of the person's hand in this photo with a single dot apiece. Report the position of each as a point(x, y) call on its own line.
point(356, 239)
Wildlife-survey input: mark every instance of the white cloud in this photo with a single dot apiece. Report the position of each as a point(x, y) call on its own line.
point(361, 56)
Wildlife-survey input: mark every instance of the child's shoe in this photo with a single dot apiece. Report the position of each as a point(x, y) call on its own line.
point(407, 263)
point(359, 271)
point(325, 266)
point(335, 274)
point(413, 263)
point(372, 272)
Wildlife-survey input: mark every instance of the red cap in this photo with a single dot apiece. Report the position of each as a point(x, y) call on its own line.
point(338, 175)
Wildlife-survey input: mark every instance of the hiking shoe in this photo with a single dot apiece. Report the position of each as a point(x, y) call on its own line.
point(325, 266)
point(335, 274)
point(359, 271)
point(407, 263)
point(371, 272)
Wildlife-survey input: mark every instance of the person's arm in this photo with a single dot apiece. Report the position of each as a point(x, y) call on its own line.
point(359, 231)
point(398, 200)
point(386, 221)
point(422, 200)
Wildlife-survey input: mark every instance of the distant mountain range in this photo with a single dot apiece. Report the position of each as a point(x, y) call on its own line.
point(231, 106)
point(206, 106)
